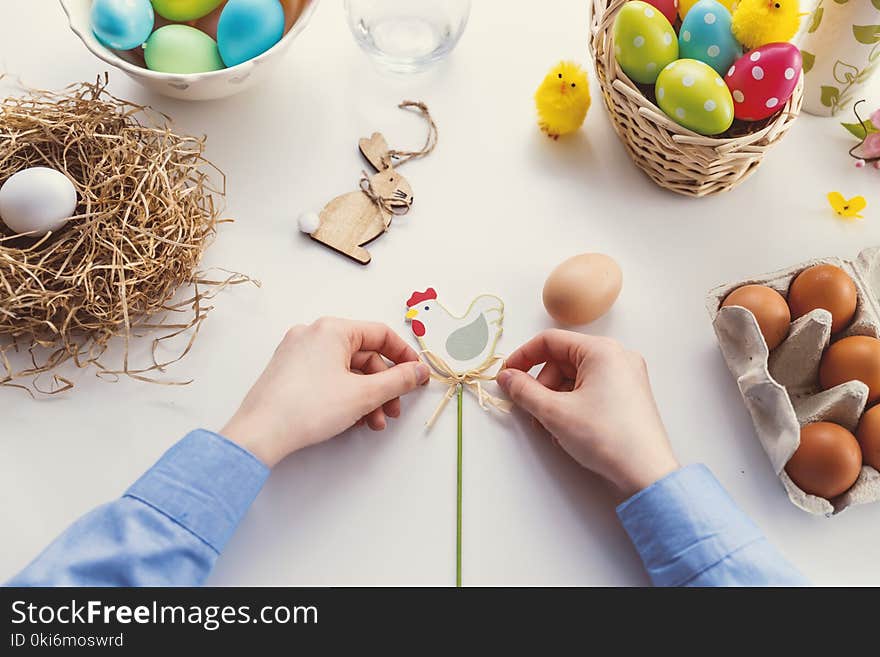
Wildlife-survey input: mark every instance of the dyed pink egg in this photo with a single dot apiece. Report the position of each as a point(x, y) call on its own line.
point(668, 8)
point(762, 80)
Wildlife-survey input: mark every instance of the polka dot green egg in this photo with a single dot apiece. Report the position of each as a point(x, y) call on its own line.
point(693, 95)
point(644, 41)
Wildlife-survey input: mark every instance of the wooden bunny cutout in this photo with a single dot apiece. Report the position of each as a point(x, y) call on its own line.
point(352, 220)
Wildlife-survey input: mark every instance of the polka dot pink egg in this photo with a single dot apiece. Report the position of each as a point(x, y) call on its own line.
point(762, 80)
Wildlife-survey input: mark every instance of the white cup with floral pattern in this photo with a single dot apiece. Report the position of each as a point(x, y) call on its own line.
point(840, 44)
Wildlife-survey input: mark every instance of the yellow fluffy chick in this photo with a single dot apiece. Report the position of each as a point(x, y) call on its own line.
point(756, 22)
point(563, 99)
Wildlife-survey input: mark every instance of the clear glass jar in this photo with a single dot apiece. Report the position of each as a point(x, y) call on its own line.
point(407, 36)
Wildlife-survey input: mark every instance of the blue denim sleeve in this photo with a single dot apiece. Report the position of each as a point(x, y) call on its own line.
point(689, 532)
point(166, 530)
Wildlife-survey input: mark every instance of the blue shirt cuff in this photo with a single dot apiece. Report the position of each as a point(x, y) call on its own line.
point(205, 483)
point(684, 524)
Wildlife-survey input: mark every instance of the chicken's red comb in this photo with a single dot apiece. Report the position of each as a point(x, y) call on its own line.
point(418, 297)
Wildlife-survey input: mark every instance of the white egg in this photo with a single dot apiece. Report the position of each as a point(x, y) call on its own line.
point(36, 201)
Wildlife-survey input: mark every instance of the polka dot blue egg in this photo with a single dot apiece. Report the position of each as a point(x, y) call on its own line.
point(693, 95)
point(705, 35)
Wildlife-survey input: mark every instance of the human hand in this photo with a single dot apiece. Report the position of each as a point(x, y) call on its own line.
point(594, 397)
point(321, 380)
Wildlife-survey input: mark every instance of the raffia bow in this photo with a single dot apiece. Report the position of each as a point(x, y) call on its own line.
point(471, 380)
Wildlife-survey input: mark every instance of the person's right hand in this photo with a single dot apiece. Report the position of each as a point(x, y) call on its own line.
point(322, 379)
point(594, 397)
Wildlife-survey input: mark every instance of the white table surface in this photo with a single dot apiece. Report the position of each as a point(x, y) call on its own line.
point(379, 508)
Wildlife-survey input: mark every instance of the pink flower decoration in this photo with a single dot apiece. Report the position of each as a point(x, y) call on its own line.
point(871, 148)
point(875, 119)
point(860, 164)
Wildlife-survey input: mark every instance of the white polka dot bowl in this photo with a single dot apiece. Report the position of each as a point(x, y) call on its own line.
point(197, 86)
point(673, 156)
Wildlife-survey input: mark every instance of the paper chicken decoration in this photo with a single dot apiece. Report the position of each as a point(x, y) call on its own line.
point(459, 349)
point(461, 353)
point(465, 343)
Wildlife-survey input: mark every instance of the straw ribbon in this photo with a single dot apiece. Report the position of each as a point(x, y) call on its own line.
point(471, 380)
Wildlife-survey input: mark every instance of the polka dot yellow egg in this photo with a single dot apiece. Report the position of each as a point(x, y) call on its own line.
point(693, 95)
point(644, 41)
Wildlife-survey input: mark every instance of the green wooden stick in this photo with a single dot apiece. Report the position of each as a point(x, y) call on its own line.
point(458, 500)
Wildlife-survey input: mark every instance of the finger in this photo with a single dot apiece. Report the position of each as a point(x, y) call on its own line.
point(363, 360)
point(565, 348)
point(369, 362)
point(527, 393)
point(373, 336)
point(394, 382)
point(551, 376)
point(376, 419)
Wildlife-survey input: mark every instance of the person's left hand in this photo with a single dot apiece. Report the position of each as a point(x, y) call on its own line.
point(323, 379)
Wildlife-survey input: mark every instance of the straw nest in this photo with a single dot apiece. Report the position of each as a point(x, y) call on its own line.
point(146, 214)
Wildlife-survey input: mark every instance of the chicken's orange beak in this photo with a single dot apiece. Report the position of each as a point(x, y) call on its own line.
point(411, 313)
point(562, 88)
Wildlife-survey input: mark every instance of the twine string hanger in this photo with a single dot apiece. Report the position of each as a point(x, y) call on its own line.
point(399, 205)
point(403, 157)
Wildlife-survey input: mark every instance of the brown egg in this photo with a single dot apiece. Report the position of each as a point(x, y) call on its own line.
point(856, 358)
point(208, 24)
point(827, 462)
point(868, 435)
point(292, 10)
point(583, 288)
point(828, 287)
point(768, 307)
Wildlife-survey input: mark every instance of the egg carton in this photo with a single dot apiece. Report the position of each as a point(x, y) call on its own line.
point(781, 388)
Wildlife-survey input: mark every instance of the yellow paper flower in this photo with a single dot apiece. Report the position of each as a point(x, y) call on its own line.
point(848, 209)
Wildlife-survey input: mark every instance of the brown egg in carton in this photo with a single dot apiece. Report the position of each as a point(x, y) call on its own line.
point(781, 388)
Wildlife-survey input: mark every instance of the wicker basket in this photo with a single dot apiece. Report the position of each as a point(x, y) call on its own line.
point(673, 156)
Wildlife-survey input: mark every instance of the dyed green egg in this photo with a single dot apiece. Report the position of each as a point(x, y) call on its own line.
point(184, 10)
point(182, 49)
point(693, 95)
point(644, 41)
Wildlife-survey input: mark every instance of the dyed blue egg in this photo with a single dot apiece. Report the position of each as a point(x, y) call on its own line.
point(705, 35)
point(248, 28)
point(122, 24)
